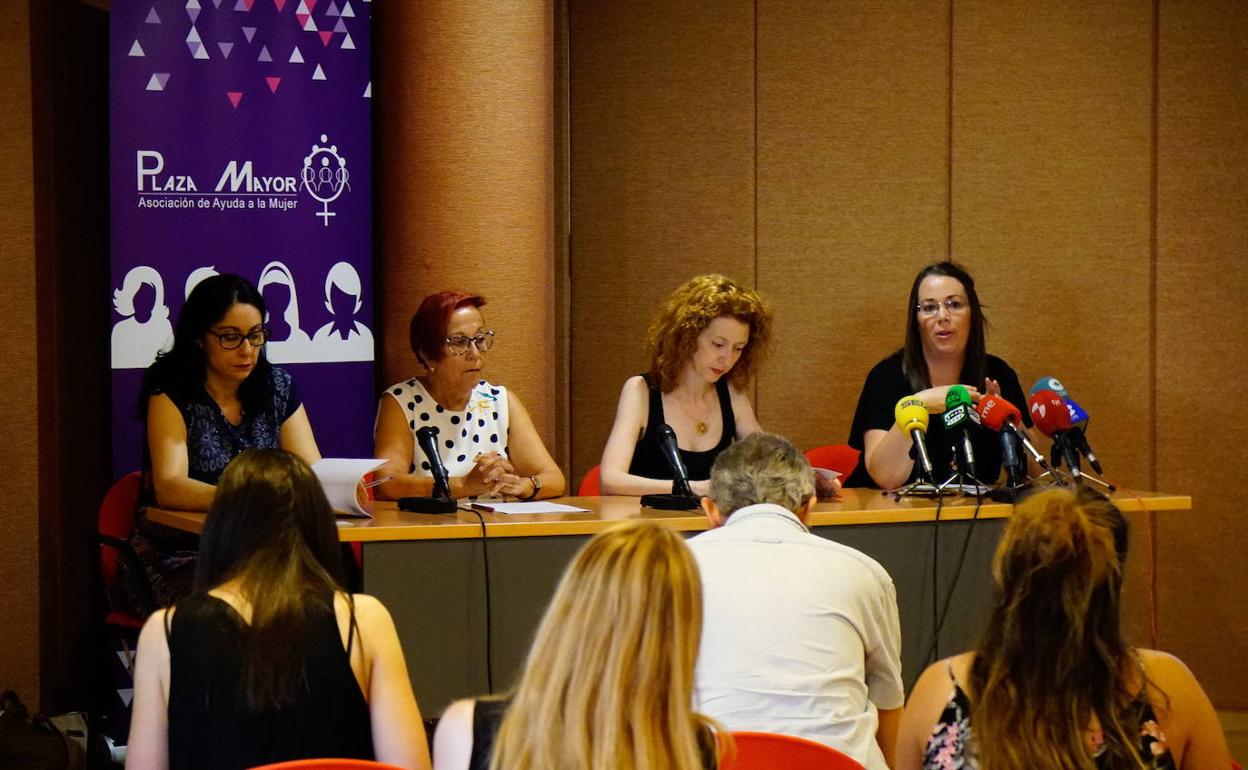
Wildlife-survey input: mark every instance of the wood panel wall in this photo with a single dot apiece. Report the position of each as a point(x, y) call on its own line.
point(1085, 160)
point(19, 409)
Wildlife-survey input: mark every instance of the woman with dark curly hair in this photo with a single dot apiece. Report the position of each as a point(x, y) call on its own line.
point(703, 347)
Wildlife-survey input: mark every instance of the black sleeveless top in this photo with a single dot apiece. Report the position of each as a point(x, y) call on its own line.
point(209, 724)
point(648, 460)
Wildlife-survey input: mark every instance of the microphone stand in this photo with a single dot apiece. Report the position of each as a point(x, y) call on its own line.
point(440, 501)
point(682, 497)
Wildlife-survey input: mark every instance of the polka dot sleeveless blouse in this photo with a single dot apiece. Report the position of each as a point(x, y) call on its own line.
point(479, 428)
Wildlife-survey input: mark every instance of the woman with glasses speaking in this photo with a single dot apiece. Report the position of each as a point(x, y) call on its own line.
point(485, 437)
point(945, 346)
point(211, 396)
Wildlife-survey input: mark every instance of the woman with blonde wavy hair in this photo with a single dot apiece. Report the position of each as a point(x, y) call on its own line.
point(703, 347)
point(1053, 684)
point(609, 678)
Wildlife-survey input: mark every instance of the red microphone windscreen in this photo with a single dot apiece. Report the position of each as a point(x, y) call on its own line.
point(996, 412)
point(1048, 412)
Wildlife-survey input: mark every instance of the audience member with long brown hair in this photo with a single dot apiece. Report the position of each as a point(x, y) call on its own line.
point(1054, 685)
point(609, 679)
point(268, 659)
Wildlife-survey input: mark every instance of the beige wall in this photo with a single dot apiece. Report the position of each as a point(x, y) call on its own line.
point(19, 409)
point(1087, 163)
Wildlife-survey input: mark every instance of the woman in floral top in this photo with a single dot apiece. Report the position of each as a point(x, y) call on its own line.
point(1053, 684)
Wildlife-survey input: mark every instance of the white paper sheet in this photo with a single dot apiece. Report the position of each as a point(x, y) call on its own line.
point(339, 477)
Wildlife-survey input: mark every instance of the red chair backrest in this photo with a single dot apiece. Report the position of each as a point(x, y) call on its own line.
point(117, 520)
point(591, 485)
point(768, 751)
point(841, 458)
point(328, 764)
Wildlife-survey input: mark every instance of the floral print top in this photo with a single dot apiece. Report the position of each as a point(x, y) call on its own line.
point(951, 746)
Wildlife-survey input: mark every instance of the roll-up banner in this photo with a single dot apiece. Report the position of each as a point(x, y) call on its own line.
point(240, 143)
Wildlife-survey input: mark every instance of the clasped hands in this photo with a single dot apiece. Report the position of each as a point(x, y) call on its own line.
point(494, 475)
point(934, 398)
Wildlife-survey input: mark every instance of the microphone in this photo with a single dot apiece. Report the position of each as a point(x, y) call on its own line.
point(912, 418)
point(440, 501)
point(682, 497)
point(1050, 415)
point(1048, 383)
point(999, 414)
point(959, 415)
point(1002, 416)
point(1079, 419)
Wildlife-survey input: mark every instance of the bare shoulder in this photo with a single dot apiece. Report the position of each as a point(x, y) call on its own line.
point(1168, 674)
point(459, 712)
point(635, 387)
point(152, 640)
point(369, 609)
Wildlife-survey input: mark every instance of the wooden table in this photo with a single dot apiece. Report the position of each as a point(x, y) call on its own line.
point(429, 570)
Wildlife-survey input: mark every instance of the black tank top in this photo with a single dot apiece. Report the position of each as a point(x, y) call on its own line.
point(209, 724)
point(648, 460)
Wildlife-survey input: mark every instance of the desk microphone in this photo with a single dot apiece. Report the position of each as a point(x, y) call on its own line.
point(682, 497)
point(440, 501)
point(1078, 433)
point(959, 415)
point(999, 414)
point(912, 418)
point(1050, 415)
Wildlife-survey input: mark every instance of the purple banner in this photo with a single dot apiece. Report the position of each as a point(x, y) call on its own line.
point(240, 143)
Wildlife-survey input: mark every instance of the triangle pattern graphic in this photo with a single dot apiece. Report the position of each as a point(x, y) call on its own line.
point(136, 49)
point(162, 79)
point(126, 695)
point(152, 17)
point(235, 97)
point(346, 10)
point(225, 49)
point(193, 5)
point(332, 10)
point(248, 32)
point(308, 24)
point(154, 84)
point(348, 43)
point(125, 658)
point(319, 74)
point(193, 13)
point(193, 36)
point(200, 51)
point(368, 90)
point(341, 26)
point(296, 57)
point(241, 5)
point(280, 5)
point(311, 4)
point(325, 37)
point(273, 83)
point(302, 9)
point(216, 3)
point(264, 54)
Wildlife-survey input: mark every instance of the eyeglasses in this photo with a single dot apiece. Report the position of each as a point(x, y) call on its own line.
point(231, 340)
point(459, 343)
point(930, 308)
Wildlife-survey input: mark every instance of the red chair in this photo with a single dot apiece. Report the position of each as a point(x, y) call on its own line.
point(591, 485)
point(841, 458)
point(328, 764)
point(115, 524)
point(767, 751)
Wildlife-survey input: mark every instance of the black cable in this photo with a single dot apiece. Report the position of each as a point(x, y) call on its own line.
point(957, 572)
point(489, 615)
point(940, 500)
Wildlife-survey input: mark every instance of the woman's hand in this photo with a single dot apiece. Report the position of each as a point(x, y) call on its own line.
point(701, 488)
point(486, 474)
point(934, 398)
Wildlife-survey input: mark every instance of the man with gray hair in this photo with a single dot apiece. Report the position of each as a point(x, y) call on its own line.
point(800, 635)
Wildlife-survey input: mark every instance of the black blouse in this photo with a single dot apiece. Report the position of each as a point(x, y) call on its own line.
point(648, 459)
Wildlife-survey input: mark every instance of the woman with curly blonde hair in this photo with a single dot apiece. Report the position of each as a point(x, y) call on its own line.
point(1054, 685)
point(703, 347)
point(609, 678)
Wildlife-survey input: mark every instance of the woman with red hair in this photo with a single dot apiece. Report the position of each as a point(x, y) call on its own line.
point(485, 437)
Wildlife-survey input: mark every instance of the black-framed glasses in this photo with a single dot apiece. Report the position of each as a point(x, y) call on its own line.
point(931, 307)
point(458, 343)
point(231, 340)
